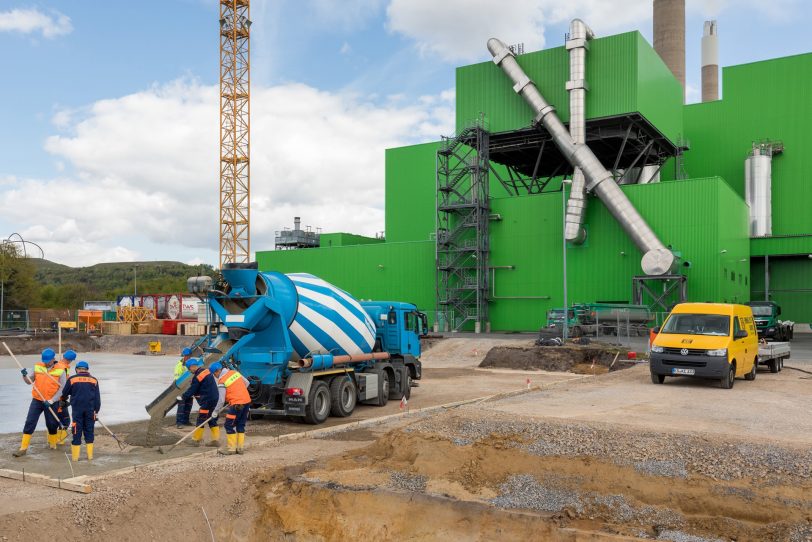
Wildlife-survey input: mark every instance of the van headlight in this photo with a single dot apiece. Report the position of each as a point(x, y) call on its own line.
point(657, 349)
point(722, 352)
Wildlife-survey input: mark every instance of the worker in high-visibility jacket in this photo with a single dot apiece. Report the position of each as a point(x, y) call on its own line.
point(82, 390)
point(47, 384)
point(233, 391)
point(181, 374)
point(204, 389)
point(64, 417)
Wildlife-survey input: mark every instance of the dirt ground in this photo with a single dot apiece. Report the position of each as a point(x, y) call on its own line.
point(596, 359)
point(603, 457)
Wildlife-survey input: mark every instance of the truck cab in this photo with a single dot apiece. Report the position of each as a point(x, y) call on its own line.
point(398, 326)
point(766, 314)
point(706, 340)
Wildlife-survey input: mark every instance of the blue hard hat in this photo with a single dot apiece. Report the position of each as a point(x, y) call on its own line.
point(186, 352)
point(193, 362)
point(216, 366)
point(48, 355)
point(82, 365)
point(69, 355)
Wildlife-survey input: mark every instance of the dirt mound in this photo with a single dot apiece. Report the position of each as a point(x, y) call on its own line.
point(34, 344)
point(577, 359)
point(493, 487)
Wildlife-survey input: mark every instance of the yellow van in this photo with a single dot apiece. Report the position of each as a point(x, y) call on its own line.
point(706, 340)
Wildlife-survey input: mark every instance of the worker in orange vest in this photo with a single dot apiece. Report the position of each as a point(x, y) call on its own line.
point(64, 417)
point(233, 391)
point(47, 383)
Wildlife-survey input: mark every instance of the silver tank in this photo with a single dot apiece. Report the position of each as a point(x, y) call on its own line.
point(758, 190)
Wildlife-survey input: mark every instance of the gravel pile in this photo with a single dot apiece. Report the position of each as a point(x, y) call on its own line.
point(407, 482)
point(525, 492)
point(801, 533)
point(653, 453)
point(679, 536)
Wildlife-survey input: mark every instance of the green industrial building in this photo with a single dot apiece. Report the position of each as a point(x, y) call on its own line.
point(475, 224)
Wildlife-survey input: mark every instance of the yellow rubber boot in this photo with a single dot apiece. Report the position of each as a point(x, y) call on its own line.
point(197, 436)
point(74, 452)
point(231, 445)
point(52, 441)
point(62, 436)
point(23, 446)
point(215, 437)
point(89, 451)
point(240, 443)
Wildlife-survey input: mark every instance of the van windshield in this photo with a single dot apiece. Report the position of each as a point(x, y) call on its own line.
point(697, 324)
point(762, 310)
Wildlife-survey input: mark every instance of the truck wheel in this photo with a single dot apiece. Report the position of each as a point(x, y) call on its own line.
point(343, 397)
point(407, 393)
point(318, 403)
point(752, 374)
point(727, 381)
point(657, 379)
point(774, 365)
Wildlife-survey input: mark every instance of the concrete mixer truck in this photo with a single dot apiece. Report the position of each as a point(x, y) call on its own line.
point(307, 348)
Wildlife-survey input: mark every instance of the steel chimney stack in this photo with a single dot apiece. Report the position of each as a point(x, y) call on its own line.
point(710, 62)
point(669, 36)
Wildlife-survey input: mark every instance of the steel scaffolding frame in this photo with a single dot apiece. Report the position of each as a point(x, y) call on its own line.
point(463, 214)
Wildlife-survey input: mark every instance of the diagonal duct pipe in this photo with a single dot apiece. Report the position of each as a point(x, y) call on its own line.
point(657, 259)
point(576, 205)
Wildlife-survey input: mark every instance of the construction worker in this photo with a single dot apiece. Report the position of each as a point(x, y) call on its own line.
point(233, 391)
point(181, 374)
point(47, 385)
point(82, 390)
point(204, 389)
point(64, 417)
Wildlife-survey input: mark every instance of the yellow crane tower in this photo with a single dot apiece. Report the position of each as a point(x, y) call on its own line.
point(235, 116)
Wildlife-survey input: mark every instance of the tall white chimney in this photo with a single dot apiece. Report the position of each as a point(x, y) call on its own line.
point(710, 62)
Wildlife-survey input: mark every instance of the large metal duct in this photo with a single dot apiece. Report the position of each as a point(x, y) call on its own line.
point(669, 36)
point(758, 189)
point(657, 259)
point(577, 45)
point(710, 62)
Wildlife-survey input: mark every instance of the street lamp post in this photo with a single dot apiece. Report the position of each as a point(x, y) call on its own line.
point(135, 283)
point(565, 326)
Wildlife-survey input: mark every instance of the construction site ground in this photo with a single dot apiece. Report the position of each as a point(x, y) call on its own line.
point(601, 456)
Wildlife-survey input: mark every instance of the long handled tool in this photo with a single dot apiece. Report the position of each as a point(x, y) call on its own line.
point(121, 443)
point(187, 435)
point(51, 410)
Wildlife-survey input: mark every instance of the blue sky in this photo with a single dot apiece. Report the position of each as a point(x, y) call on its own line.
point(110, 113)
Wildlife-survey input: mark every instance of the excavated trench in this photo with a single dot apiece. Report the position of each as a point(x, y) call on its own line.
point(417, 486)
point(576, 359)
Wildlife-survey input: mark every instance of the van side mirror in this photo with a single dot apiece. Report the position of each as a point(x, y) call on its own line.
point(741, 334)
point(656, 330)
point(779, 312)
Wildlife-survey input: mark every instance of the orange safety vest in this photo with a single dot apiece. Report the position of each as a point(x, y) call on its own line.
point(236, 390)
point(43, 385)
point(61, 364)
point(202, 374)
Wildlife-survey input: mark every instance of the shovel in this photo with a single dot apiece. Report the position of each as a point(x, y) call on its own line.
point(187, 435)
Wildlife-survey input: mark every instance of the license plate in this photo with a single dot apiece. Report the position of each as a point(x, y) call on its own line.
point(681, 371)
point(294, 410)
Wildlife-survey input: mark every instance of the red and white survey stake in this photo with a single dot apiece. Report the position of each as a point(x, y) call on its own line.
point(404, 403)
point(528, 383)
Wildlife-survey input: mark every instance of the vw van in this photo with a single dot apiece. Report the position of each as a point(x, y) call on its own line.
point(706, 340)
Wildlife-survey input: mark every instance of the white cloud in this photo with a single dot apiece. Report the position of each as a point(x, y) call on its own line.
point(142, 170)
point(346, 48)
point(27, 21)
point(346, 14)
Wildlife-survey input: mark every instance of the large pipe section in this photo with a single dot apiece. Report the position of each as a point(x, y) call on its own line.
point(710, 62)
point(758, 189)
point(657, 259)
point(577, 45)
point(318, 362)
point(669, 36)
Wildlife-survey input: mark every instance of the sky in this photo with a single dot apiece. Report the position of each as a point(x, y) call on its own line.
point(109, 139)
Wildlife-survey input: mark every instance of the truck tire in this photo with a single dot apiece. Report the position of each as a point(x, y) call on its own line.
point(752, 374)
point(318, 403)
point(383, 387)
point(775, 365)
point(727, 381)
point(400, 387)
point(657, 379)
point(343, 396)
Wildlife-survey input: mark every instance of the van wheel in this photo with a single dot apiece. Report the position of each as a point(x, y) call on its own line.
point(752, 374)
point(727, 381)
point(657, 379)
point(775, 365)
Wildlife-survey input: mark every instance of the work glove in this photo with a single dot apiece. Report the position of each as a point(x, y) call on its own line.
point(238, 408)
point(46, 405)
point(179, 398)
point(63, 404)
point(94, 416)
point(24, 372)
point(215, 414)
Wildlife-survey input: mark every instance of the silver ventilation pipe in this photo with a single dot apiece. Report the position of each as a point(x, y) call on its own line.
point(758, 189)
point(657, 259)
point(577, 45)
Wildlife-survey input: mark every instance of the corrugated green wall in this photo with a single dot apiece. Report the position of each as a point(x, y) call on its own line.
point(392, 271)
point(770, 99)
point(790, 285)
point(411, 190)
point(624, 75)
point(341, 239)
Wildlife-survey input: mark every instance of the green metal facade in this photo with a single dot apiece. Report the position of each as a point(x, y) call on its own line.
point(341, 239)
point(704, 218)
